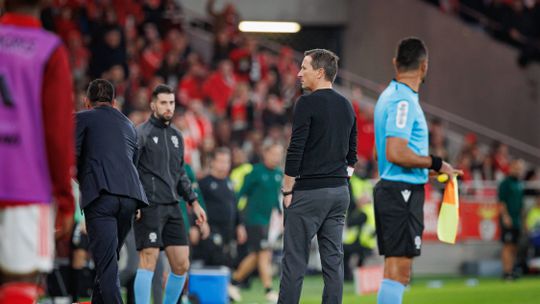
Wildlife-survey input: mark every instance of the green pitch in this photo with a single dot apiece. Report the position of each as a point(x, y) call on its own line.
point(426, 291)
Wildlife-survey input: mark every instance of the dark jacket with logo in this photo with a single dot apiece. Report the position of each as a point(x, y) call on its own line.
point(160, 163)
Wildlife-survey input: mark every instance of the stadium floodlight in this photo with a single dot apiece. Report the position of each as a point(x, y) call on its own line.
point(269, 27)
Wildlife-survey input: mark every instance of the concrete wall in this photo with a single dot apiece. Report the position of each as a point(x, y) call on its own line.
point(319, 12)
point(470, 74)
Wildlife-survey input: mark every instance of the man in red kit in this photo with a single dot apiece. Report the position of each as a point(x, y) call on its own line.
point(36, 149)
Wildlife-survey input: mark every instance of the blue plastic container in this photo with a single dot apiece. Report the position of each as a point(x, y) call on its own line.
point(210, 284)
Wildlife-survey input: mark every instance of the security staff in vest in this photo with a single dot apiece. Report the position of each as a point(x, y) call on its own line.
point(315, 185)
point(110, 187)
point(359, 237)
point(160, 226)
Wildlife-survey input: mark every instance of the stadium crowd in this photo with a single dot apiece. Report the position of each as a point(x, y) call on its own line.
point(243, 98)
point(515, 22)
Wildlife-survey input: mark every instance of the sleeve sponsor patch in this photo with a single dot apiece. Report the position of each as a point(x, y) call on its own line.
point(401, 114)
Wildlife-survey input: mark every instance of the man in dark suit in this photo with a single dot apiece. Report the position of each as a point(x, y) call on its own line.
point(110, 187)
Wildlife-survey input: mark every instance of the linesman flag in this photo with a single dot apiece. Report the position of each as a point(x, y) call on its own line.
point(447, 225)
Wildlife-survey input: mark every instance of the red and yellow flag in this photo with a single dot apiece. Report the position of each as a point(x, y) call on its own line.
point(447, 225)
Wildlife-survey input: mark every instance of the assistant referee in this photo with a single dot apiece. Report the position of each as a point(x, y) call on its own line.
point(315, 186)
point(401, 140)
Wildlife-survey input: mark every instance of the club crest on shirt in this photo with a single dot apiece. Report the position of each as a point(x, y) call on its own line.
point(155, 139)
point(175, 141)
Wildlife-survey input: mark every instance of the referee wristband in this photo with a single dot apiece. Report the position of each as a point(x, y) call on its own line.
point(436, 163)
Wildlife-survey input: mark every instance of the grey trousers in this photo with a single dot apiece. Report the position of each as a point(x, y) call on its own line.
point(318, 212)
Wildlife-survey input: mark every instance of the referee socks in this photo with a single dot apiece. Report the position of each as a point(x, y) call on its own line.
point(391, 292)
point(174, 287)
point(143, 285)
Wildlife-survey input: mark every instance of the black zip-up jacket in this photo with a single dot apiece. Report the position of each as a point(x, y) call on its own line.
point(160, 163)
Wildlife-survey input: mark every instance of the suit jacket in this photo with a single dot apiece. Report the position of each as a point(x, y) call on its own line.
point(106, 151)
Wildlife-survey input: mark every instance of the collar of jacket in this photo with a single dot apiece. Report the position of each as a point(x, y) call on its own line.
point(157, 122)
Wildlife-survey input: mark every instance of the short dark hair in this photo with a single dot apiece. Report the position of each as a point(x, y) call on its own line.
point(411, 52)
point(220, 150)
point(100, 90)
point(325, 59)
point(161, 88)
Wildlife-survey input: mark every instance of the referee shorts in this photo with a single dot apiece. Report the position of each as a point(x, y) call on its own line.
point(160, 226)
point(399, 218)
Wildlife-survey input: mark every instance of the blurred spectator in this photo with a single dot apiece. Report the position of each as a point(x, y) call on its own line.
point(366, 133)
point(140, 100)
point(464, 163)
point(223, 46)
point(511, 200)
point(240, 168)
point(191, 151)
point(287, 64)
point(500, 160)
point(253, 145)
point(176, 42)
point(223, 132)
point(116, 75)
point(359, 238)
point(240, 111)
point(78, 56)
point(225, 221)
point(173, 14)
point(261, 187)
point(532, 224)
point(220, 86)
point(207, 148)
point(249, 64)
point(171, 70)
point(290, 91)
point(274, 114)
point(153, 11)
point(151, 59)
point(191, 85)
point(64, 23)
point(227, 20)
point(437, 139)
point(107, 53)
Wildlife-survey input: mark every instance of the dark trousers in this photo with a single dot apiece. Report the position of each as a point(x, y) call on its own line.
point(318, 212)
point(108, 221)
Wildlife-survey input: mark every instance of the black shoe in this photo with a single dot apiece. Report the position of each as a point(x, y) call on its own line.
point(508, 277)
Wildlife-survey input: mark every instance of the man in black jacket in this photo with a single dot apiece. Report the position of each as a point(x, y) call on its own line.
point(315, 186)
point(224, 217)
point(160, 226)
point(109, 183)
